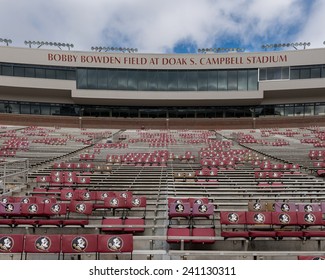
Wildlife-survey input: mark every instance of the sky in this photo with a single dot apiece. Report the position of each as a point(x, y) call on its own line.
point(164, 26)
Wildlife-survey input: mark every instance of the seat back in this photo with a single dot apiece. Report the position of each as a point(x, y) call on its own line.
point(11, 243)
point(203, 210)
point(233, 218)
point(119, 243)
point(42, 243)
point(257, 206)
point(309, 218)
point(80, 207)
point(285, 207)
point(309, 207)
point(259, 218)
point(83, 243)
point(179, 210)
point(284, 218)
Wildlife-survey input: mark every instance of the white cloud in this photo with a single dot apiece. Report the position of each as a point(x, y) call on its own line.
point(152, 26)
point(313, 31)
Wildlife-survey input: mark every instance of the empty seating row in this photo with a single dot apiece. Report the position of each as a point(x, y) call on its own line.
point(51, 207)
point(66, 243)
point(270, 175)
point(185, 210)
point(63, 179)
point(286, 206)
point(82, 166)
point(276, 225)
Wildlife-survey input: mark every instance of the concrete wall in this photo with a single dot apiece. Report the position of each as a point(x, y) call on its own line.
point(159, 123)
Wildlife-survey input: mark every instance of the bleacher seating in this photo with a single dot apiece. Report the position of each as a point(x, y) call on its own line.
point(182, 190)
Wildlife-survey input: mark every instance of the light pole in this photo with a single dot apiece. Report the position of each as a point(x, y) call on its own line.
point(6, 41)
point(114, 49)
point(220, 50)
point(286, 45)
point(80, 117)
point(39, 44)
point(253, 117)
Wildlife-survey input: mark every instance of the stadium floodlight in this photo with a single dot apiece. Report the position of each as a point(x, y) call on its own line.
point(218, 50)
point(5, 41)
point(39, 44)
point(116, 49)
point(295, 45)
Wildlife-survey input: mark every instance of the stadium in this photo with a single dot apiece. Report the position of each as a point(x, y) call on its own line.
point(109, 155)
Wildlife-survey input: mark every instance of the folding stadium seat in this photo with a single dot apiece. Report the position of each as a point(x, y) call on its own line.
point(312, 224)
point(177, 200)
point(44, 199)
point(317, 258)
point(287, 222)
point(204, 232)
point(56, 173)
point(57, 181)
point(115, 203)
point(260, 223)
point(101, 195)
point(285, 207)
point(261, 174)
point(179, 210)
point(110, 224)
point(69, 165)
point(202, 200)
point(179, 176)
point(275, 175)
point(11, 243)
point(10, 209)
point(103, 169)
point(236, 224)
point(84, 195)
point(309, 207)
point(80, 207)
point(135, 223)
point(25, 199)
point(259, 206)
point(42, 244)
point(59, 165)
point(67, 194)
point(87, 166)
point(32, 209)
point(203, 210)
point(54, 209)
point(83, 180)
point(78, 165)
point(136, 202)
point(120, 243)
point(69, 178)
point(277, 166)
point(76, 244)
point(321, 173)
point(43, 179)
point(86, 157)
point(7, 199)
point(177, 234)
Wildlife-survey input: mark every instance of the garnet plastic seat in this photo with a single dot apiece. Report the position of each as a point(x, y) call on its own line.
point(236, 224)
point(178, 232)
point(204, 231)
point(137, 224)
point(114, 223)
